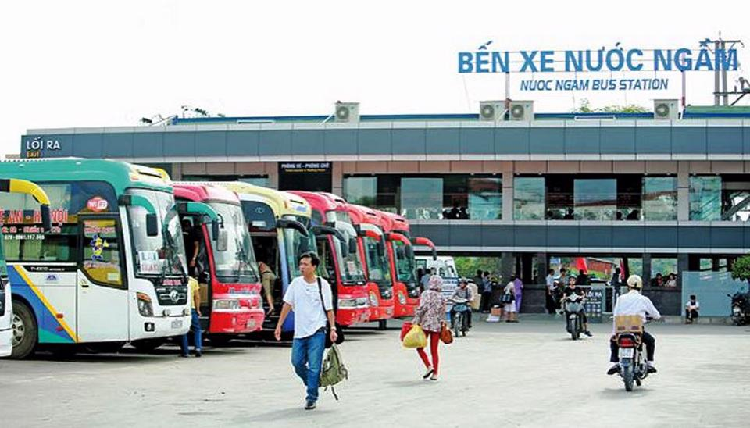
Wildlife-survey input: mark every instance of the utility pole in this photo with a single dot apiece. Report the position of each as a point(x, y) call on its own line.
point(721, 90)
point(717, 78)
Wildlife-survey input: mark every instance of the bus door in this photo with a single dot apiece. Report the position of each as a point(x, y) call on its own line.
point(102, 294)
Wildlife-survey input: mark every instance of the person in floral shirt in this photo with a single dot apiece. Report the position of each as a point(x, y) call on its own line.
point(430, 315)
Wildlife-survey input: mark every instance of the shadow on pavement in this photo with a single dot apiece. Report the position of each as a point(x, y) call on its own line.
point(620, 393)
point(289, 413)
point(416, 383)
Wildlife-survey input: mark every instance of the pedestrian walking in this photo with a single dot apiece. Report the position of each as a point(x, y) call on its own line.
point(426, 279)
point(267, 279)
point(518, 287)
point(195, 321)
point(509, 297)
point(430, 315)
point(303, 296)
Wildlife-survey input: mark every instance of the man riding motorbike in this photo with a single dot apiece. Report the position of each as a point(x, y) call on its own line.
point(569, 291)
point(634, 303)
point(462, 294)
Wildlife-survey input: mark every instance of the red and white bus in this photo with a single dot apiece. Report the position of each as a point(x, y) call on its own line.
point(341, 257)
point(229, 281)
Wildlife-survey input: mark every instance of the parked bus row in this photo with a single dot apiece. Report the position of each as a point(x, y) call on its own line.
point(98, 255)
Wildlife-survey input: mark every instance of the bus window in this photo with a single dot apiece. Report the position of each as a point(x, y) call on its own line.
point(101, 252)
point(25, 241)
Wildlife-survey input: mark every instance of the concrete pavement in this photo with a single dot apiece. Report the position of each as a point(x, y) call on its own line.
point(527, 374)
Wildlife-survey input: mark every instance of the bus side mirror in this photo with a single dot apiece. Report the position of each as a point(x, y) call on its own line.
point(152, 225)
point(222, 239)
point(215, 230)
point(409, 252)
point(352, 245)
point(46, 218)
point(345, 247)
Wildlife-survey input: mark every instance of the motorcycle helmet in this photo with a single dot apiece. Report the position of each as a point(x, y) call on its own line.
point(634, 281)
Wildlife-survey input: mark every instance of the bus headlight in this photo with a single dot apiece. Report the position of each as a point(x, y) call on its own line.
point(145, 306)
point(226, 304)
point(347, 303)
point(373, 299)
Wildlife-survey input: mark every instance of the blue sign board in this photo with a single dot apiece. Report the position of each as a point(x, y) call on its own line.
point(602, 60)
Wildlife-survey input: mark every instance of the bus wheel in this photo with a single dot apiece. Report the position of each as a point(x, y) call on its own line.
point(25, 332)
point(147, 346)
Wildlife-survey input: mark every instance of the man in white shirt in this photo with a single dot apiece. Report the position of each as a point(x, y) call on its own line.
point(634, 303)
point(303, 296)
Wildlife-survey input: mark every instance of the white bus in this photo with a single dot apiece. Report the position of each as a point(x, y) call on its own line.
point(112, 268)
point(6, 313)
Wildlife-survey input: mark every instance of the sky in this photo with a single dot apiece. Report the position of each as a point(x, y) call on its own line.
point(100, 63)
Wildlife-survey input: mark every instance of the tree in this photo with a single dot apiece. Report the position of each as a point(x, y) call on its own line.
point(585, 107)
point(467, 266)
point(741, 268)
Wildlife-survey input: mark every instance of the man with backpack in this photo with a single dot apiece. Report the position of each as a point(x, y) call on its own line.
point(311, 300)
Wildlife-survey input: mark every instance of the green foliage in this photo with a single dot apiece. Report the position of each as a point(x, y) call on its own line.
point(467, 266)
point(585, 107)
point(741, 268)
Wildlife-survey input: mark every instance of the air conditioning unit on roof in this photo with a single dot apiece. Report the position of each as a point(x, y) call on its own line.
point(522, 110)
point(491, 111)
point(666, 109)
point(346, 112)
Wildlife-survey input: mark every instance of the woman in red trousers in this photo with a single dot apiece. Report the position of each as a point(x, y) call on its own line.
point(430, 315)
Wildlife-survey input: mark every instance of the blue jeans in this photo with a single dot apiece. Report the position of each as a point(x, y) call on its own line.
point(307, 359)
point(195, 325)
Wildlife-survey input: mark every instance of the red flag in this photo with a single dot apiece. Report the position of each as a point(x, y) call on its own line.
point(581, 264)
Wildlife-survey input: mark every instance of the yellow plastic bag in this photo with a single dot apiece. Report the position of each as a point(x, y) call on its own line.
point(415, 338)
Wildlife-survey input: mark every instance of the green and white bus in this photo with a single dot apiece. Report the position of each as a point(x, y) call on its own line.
point(6, 313)
point(112, 268)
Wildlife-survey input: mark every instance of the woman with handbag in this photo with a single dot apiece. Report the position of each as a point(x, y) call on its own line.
point(508, 299)
point(430, 315)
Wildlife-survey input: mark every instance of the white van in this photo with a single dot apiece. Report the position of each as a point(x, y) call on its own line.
point(446, 269)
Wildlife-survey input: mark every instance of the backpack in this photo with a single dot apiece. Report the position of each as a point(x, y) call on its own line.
point(333, 370)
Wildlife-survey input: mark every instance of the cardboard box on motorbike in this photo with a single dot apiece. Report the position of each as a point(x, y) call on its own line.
point(628, 324)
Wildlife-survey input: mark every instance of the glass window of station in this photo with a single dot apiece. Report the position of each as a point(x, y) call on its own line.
point(594, 197)
point(455, 196)
point(589, 197)
point(720, 197)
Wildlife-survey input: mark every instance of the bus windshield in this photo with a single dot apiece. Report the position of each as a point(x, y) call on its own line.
point(235, 265)
point(377, 263)
point(405, 265)
point(163, 254)
point(350, 263)
point(295, 244)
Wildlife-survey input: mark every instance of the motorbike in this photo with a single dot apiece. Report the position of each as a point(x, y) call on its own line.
point(633, 365)
point(740, 308)
point(573, 320)
point(460, 318)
